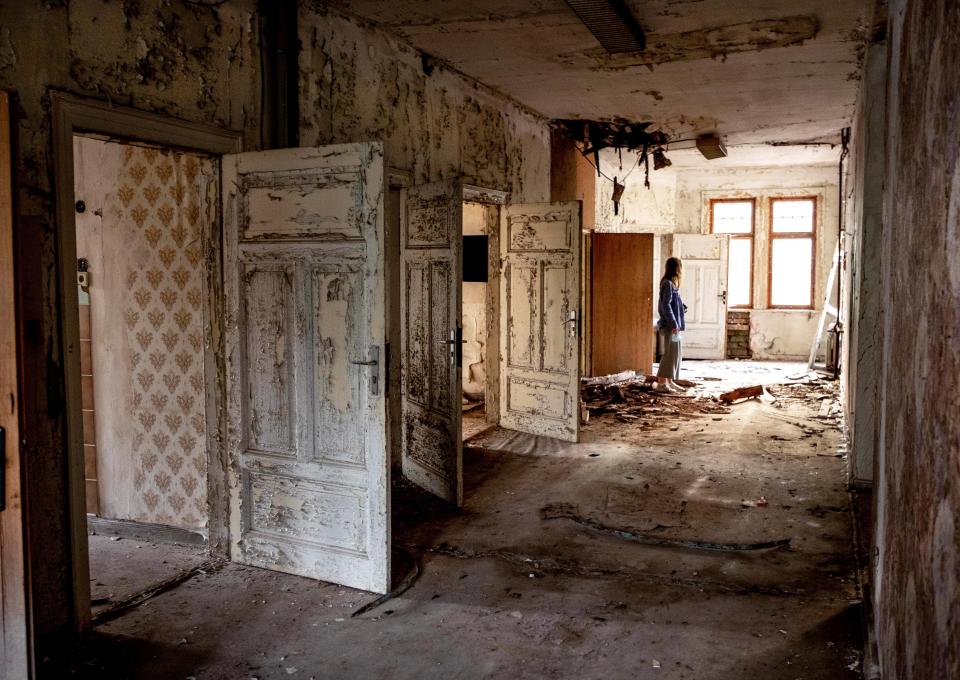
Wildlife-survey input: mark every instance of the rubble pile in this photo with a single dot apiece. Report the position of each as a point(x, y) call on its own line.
point(635, 400)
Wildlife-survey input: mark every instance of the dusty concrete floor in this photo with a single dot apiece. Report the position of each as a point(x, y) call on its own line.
point(474, 422)
point(121, 567)
point(505, 592)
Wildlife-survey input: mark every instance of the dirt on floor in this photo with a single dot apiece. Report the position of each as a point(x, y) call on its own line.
point(717, 546)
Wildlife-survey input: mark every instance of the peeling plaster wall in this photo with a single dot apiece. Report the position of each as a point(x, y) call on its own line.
point(917, 577)
point(359, 84)
point(863, 188)
point(678, 201)
point(186, 60)
point(643, 210)
point(201, 62)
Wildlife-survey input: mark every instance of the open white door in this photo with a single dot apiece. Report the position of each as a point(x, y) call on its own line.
point(540, 319)
point(431, 240)
point(704, 291)
point(305, 334)
point(14, 647)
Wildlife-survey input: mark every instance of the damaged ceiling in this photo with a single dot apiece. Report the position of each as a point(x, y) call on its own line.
point(754, 71)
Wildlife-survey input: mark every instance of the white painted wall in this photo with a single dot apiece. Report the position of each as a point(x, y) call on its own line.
point(678, 201)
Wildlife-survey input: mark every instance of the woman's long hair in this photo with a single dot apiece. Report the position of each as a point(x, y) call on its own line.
point(674, 270)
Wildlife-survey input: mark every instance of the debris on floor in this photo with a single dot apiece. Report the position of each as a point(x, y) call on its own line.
point(741, 393)
point(630, 397)
point(570, 512)
point(634, 399)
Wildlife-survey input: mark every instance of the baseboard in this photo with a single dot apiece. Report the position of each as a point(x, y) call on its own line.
point(139, 531)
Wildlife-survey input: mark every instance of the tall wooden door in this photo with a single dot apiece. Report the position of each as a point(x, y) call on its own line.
point(14, 653)
point(432, 270)
point(621, 309)
point(540, 319)
point(704, 291)
point(305, 325)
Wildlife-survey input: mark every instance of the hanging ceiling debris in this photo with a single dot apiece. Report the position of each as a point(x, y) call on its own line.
point(592, 136)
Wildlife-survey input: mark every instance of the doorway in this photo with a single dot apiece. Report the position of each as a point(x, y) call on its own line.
point(144, 218)
point(480, 367)
point(143, 430)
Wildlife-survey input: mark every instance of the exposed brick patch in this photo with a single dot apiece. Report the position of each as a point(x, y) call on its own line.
point(738, 335)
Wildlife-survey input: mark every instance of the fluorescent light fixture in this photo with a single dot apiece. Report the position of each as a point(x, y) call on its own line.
point(612, 24)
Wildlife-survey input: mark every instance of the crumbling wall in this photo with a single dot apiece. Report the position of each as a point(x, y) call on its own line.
point(358, 83)
point(185, 59)
point(200, 61)
point(863, 312)
point(917, 580)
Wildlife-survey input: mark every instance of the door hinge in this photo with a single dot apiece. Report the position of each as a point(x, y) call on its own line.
point(458, 360)
point(386, 370)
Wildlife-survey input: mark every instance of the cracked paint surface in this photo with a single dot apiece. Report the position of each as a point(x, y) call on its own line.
point(917, 593)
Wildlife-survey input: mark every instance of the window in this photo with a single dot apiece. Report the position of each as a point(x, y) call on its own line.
point(735, 217)
point(792, 232)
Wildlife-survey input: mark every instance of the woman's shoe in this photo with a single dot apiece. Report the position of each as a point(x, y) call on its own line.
point(676, 389)
point(663, 387)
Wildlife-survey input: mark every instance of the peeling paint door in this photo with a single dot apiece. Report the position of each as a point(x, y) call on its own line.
point(704, 291)
point(432, 270)
point(540, 319)
point(305, 339)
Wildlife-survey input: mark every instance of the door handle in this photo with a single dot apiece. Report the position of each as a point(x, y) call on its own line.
point(374, 363)
point(723, 296)
point(573, 324)
point(455, 344)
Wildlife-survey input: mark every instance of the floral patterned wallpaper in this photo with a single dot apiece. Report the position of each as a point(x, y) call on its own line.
point(158, 211)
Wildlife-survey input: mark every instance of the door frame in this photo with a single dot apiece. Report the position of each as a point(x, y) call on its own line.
point(473, 193)
point(16, 636)
point(73, 115)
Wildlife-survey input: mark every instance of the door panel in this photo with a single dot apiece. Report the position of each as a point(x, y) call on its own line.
point(431, 240)
point(622, 334)
point(14, 649)
point(703, 290)
point(309, 484)
point(540, 303)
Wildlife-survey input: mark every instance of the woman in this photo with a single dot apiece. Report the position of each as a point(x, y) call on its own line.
point(671, 327)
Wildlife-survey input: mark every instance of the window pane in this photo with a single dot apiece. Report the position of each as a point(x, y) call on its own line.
point(733, 217)
point(738, 276)
point(791, 272)
point(793, 216)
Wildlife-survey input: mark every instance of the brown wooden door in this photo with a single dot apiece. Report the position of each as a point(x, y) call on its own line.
point(14, 653)
point(621, 310)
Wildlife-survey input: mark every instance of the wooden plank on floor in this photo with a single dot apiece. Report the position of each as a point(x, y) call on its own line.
point(139, 531)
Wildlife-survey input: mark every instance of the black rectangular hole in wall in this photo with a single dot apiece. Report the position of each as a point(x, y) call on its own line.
point(475, 258)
